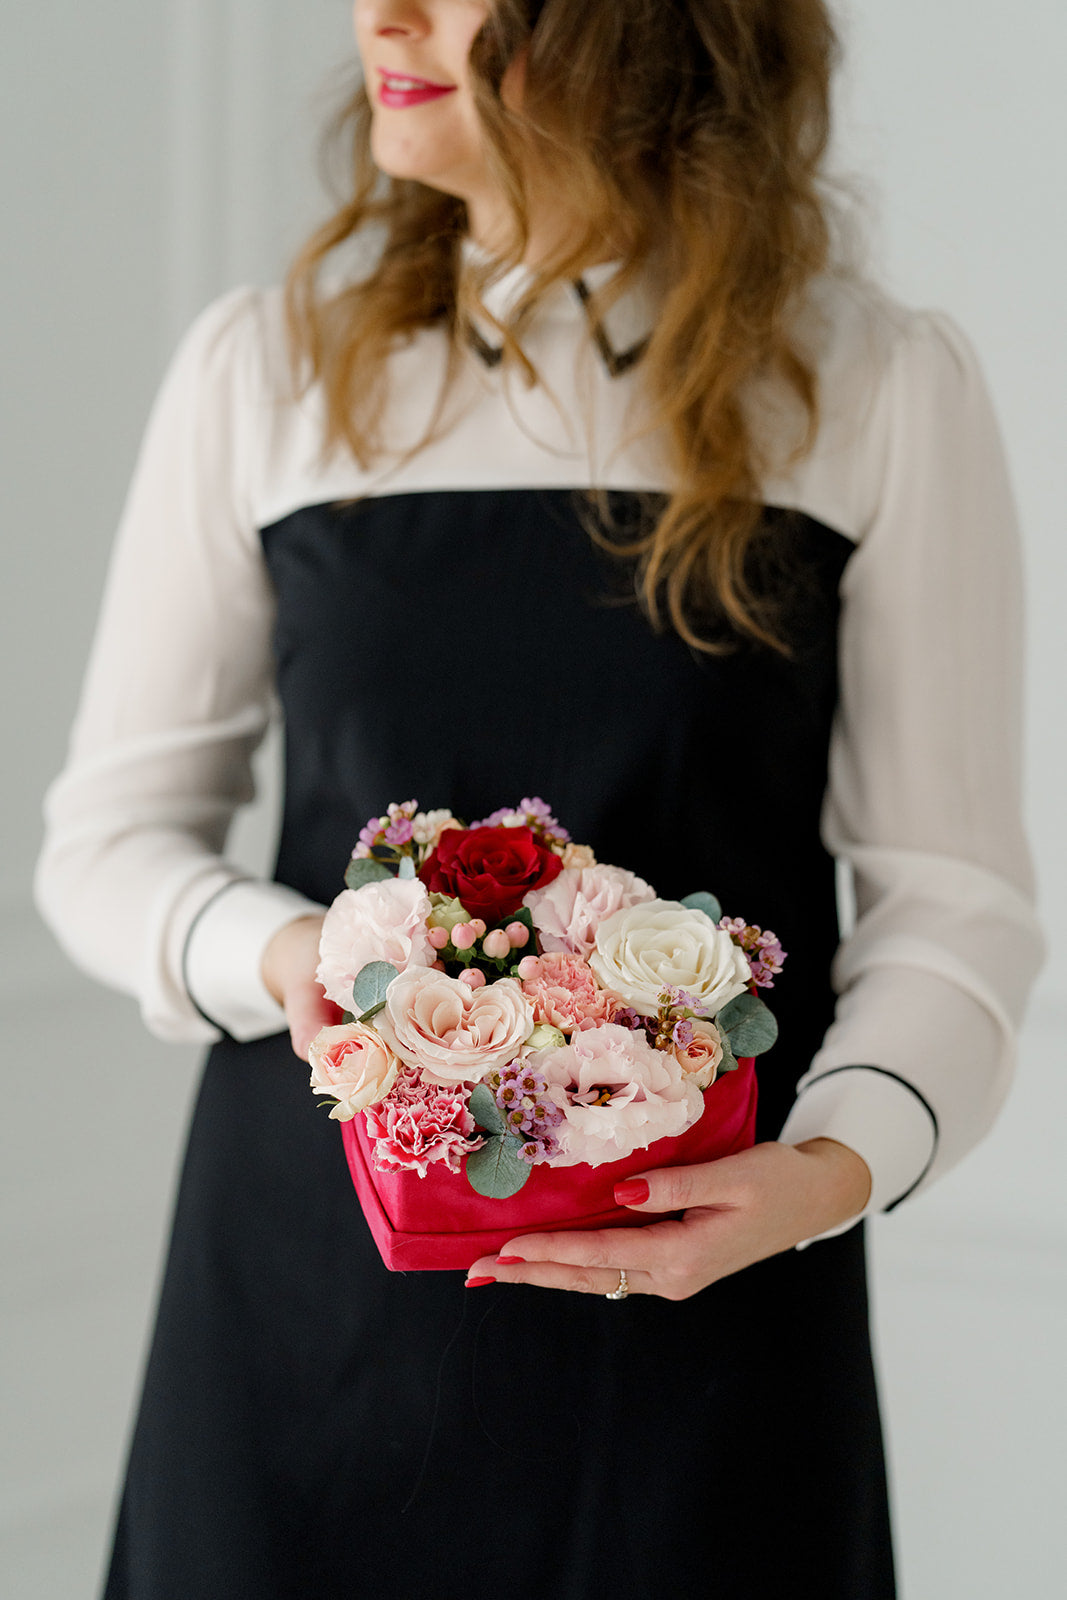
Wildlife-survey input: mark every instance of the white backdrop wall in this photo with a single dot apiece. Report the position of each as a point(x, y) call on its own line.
point(157, 154)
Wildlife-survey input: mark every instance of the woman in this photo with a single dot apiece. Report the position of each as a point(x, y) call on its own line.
point(781, 627)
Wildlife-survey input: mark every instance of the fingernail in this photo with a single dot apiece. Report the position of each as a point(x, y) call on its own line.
point(511, 1261)
point(478, 1283)
point(634, 1192)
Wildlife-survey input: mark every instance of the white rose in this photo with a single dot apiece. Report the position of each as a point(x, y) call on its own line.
point(644, 949)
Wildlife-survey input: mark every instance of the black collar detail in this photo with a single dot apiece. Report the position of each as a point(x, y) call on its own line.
point(616, 361)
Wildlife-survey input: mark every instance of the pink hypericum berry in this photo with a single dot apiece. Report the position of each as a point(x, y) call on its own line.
point(497, 945)
point(477, 927)
point(463, 935)
point(438, 937)
point(472, 978)
point(518, 935)
point(439, 966)
point(529, 967)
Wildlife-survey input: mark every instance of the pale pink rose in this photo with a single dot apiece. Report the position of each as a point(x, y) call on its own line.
point(455, 1034)
point(700, 1058)
point(384, 921)
point(617, 1095)
point(562, 990)
point(421, 1122)
point(569, 910)
point(644, 949)
point(353, 1063)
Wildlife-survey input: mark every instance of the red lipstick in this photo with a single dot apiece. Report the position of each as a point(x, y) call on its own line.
point(399, 90)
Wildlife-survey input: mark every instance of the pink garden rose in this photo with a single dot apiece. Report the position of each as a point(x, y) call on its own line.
point(454, 1033)
point(353, 1063)
point(562, 990)
point(700, 1058)
point(383, 921)
point(617, 1095)
point(568, 912)
point(421, 1122)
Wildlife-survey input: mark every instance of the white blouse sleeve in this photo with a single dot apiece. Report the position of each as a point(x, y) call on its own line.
point(177, 696)
point(923, 799)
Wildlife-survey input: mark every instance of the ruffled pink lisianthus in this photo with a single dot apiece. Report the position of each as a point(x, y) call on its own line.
point(567, 912)
point(617, 1095)
point(562, 990)
point(419, 1123)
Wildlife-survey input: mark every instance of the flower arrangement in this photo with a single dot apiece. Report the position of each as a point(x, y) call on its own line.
point(513, 1004)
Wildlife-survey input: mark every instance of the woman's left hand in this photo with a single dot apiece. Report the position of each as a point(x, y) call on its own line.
point(737, 1210)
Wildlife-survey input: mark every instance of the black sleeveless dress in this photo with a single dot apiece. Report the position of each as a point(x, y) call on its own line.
point(316, 1426)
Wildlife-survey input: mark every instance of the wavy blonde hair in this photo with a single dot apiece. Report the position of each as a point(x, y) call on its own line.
point(690, 131)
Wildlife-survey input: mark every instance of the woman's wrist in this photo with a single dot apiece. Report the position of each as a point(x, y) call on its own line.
point(846, 1179)
point(292, 953)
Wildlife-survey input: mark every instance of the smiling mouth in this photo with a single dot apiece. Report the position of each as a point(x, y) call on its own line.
point(398, 90)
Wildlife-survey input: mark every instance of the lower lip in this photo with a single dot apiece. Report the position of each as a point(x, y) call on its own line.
point(399, 99)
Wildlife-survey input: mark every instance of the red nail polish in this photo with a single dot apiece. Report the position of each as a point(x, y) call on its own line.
point(511, 1261)
point(478, 1283)
point(634, 1192)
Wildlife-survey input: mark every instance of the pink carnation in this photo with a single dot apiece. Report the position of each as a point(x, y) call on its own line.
point(563, 992)
point(420, 1122)
point(568, 911)
point(617, 1095)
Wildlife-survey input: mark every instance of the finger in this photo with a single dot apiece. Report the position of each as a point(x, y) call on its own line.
point(307, 1012)
point(558, 1275)
point(605, 1249)
point(678, 1188)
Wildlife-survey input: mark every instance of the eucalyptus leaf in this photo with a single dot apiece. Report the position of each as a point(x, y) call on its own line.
point(362, 870)
point(407, 867)
point(702, 901)
point(749, 1025)
point(368, 991)
point(484, 1109)
point(729, 1060)
point(496, 1170)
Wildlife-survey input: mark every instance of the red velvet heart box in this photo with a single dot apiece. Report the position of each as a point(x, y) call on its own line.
point(439, 1223)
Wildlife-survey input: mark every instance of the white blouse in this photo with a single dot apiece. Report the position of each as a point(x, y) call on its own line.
point(923, 798)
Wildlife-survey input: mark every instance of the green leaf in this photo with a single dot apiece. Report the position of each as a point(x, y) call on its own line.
point(368, 991)
point(362, 871)
point(729, 1060)
point(407, 867)
point(485, 1111)
point(749, 1025)
point(702, 901)
point(347, 1017)
point(496, 1170)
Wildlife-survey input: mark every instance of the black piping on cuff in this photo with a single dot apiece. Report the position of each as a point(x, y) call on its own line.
point(197, 1007)
point(866, 1066)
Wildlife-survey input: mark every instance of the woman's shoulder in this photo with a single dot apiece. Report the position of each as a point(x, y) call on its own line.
point(239, 340)
point(879, 366)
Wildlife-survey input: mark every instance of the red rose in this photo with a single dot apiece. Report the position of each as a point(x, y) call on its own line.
point(490, 869)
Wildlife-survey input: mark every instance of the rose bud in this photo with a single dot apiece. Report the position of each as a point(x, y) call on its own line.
point(473, 978)
point(497, 945)
point(518, 935)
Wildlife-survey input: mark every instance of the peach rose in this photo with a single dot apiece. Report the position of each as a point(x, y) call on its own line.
point(700, 1058)
point(353, 1063)
point(455, 1034)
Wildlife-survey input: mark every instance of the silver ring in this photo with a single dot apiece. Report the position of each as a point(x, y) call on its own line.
point(622, 1291)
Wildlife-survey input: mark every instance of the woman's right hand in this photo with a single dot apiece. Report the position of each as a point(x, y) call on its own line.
point(288, 970)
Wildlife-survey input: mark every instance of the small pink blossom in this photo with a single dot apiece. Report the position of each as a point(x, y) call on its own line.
point(562, 990)
point(568, 911)
point(617, 1095)
point(421, 1122)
